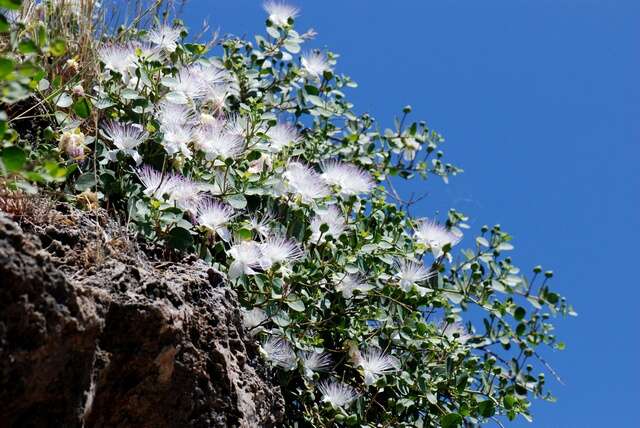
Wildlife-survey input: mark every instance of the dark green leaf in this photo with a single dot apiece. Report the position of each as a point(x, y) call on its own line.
point(486, 408)
point(509, 401)
point(180, 238)
point(13, 158)
point(452, 420)
point(4, 24)
point(519, 313)
point(85, 181)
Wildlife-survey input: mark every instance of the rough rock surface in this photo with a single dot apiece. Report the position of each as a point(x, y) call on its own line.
point(95, 333)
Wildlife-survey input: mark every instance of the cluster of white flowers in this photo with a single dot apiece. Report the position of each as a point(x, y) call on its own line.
point(249, 255)
point(192, 124)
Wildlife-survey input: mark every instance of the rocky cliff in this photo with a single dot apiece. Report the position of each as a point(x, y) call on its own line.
point(96, 332)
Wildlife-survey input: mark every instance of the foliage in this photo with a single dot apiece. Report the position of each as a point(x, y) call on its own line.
point(250, 154)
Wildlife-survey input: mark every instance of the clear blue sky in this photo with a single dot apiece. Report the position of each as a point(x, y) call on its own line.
point(539, 101)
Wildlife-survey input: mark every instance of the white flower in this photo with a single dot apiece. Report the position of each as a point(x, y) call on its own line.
point(216, 142)
point(214, 215)
point(282, 135)
point(279, 249)
point(246, 256)
point(208, 119)
point(238, 125)
point(176, 139)
point(411, 147)
point(261, 164)
point(336, 393)
point(305, 182)
point(186, 194)
point(189, 82)
point(410, 273)
point(332, 217)
point(261, 225)
point(165, 37)
point(155, 184)
point(455, 332)
point(126, 137)
point(435, 236)
point(170, 115)
point(313, 361)
point(145, 51)
point(279, 12)
point(350, 283)
point(375, 364)
point(217, 95)
point(349, 178)
point(118, 58)
point(252, 319)
point(315, 63)
point(277, 351)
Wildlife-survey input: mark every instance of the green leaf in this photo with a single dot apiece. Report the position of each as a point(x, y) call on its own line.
point(273, 32)
point(452, 420)
point(237, 201)
point(176, 98)
point(487, 408)
point(6, 67)
point(64, 100)
point(27, 46)
point(297, 304)
point(13, 158)
point(315, 100)
point(292, 46)
point(244, 234)
point(11, 4)
point(519, 313)
point(57, 47)
point(482, 241)
point(509, 401)
point(85, 181)
point(552, 298)
point(82, 108)
point(4, 24)
point(196, 48)
point(180, 238)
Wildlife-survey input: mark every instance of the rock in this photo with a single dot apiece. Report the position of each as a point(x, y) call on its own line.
point(95, 332)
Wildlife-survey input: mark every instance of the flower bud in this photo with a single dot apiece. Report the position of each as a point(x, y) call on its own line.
point(78, 90)
point(72, 65)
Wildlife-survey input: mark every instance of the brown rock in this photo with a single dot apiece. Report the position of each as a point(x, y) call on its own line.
point(95, 333)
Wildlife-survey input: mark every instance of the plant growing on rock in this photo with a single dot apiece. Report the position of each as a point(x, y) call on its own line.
point(250, 154)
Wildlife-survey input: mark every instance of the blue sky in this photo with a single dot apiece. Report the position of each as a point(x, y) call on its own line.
point(539, 101)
